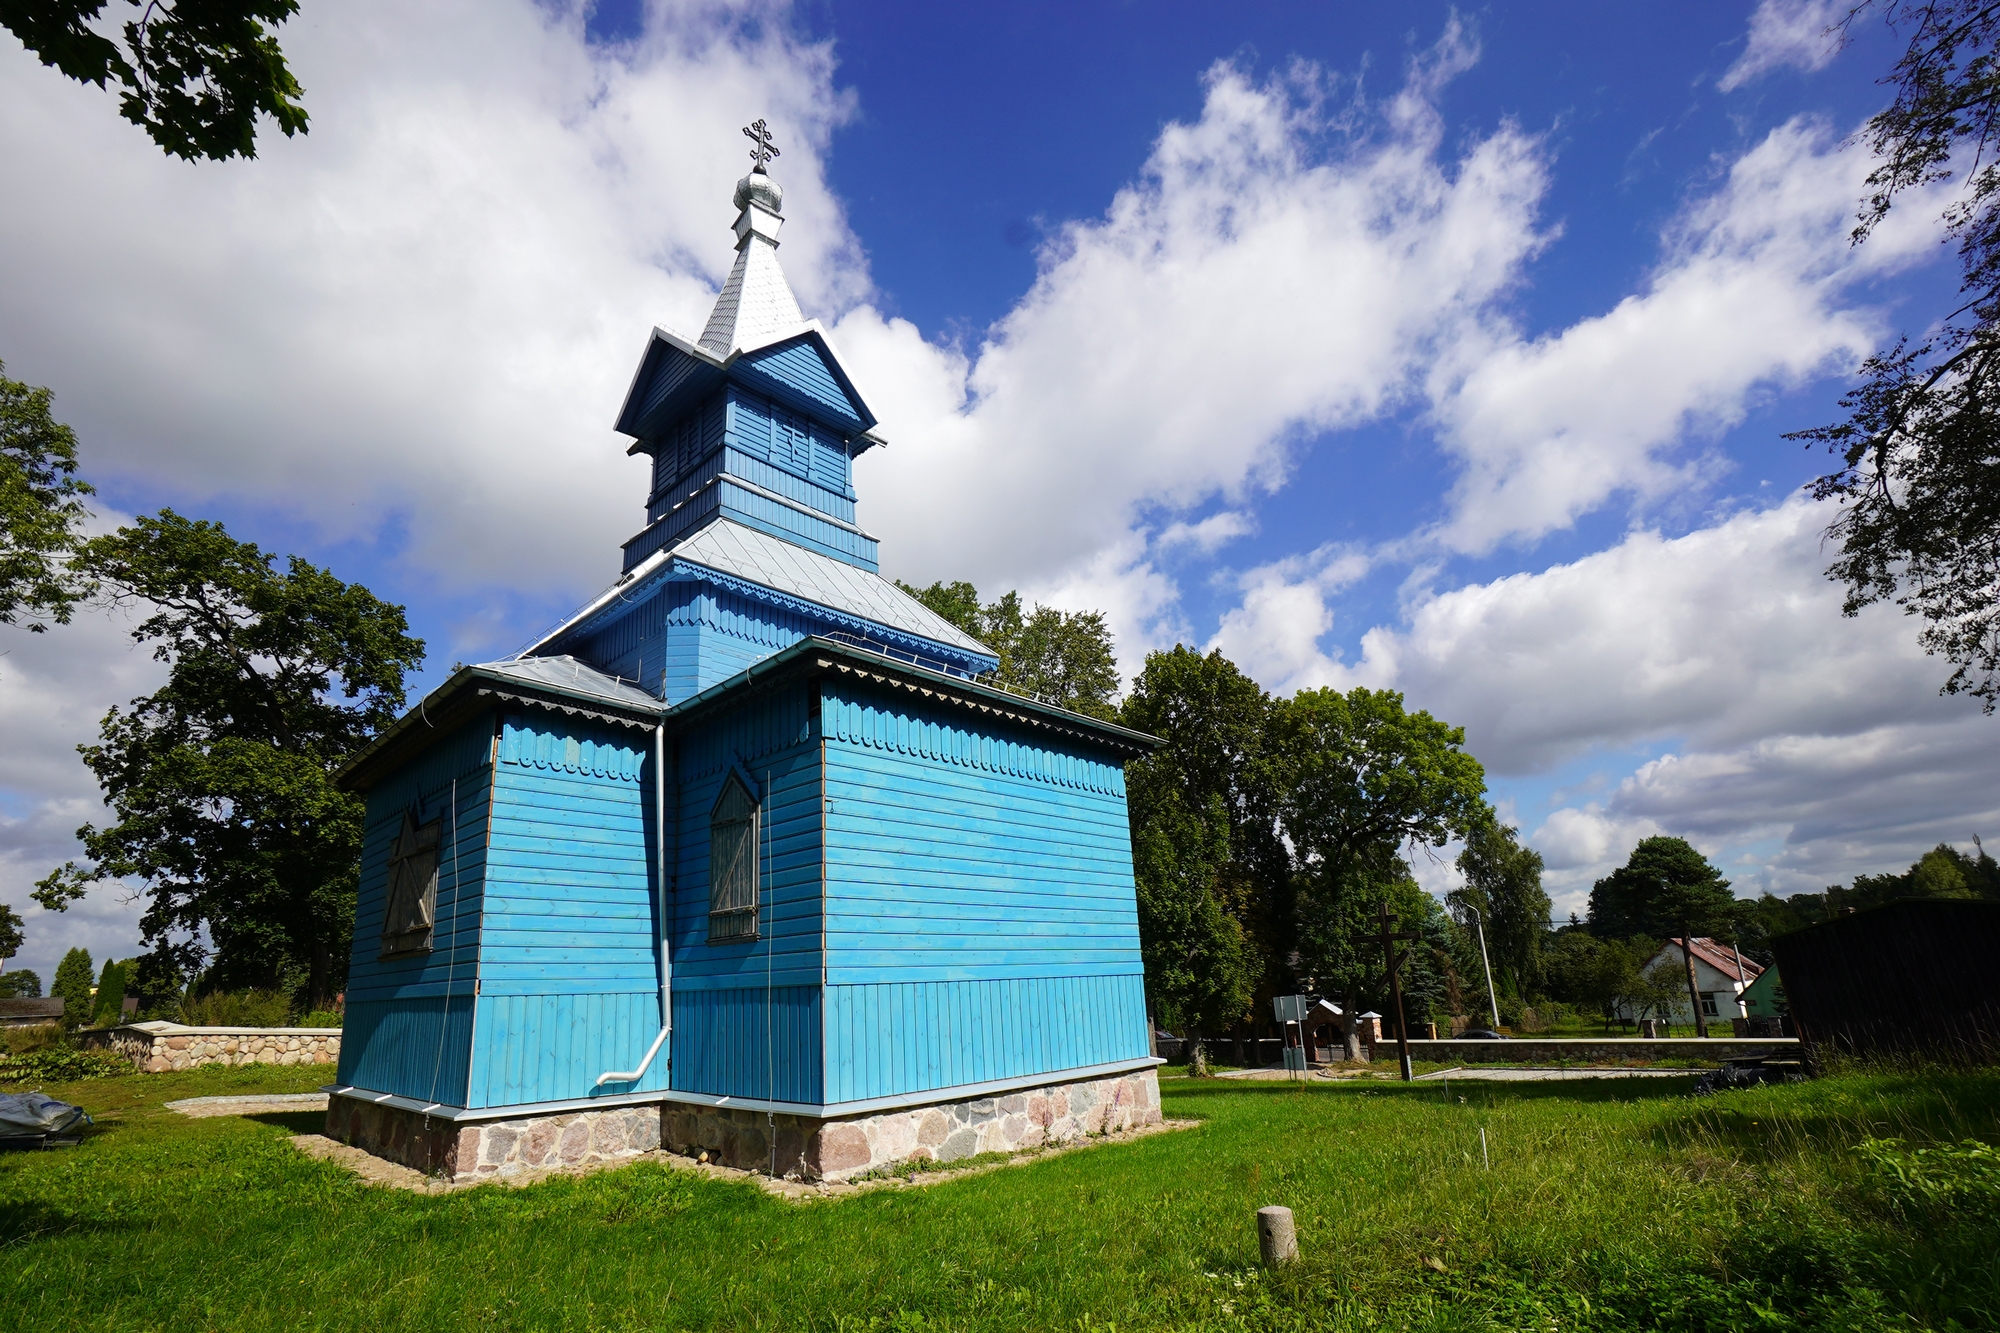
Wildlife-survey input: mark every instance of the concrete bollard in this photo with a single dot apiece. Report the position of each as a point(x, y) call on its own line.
point(1275, 1236)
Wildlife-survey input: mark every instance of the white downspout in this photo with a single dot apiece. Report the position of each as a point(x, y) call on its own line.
point(666, 940)
point(1742, 982)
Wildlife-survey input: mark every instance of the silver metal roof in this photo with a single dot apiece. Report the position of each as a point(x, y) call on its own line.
point(731, 548)
point(756, 300)
point(745, 553)
point(572, 677)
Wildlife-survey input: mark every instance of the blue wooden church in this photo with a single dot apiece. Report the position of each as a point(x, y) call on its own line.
point(744, 858)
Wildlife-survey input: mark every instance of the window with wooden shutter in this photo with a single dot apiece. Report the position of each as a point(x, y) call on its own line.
point(411, 911)
point(732, 865)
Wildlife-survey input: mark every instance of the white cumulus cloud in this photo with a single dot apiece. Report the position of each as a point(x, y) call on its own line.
point(1283, 265)
point(1787, 33)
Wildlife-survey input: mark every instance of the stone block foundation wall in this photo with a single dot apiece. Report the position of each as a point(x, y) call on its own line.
point(157, 1048)
point(492, 1148)
point(835, 1149)
point(942, 1132)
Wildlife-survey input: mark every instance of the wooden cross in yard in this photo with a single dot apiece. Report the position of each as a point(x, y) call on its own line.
point(1392, 963)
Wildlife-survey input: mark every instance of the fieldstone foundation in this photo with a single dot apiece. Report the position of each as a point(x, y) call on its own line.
point(496, 1148)
point(942, 1132)
point(808, 1148)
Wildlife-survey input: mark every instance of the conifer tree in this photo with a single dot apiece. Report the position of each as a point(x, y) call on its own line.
point(72, 987)
point(110, 993)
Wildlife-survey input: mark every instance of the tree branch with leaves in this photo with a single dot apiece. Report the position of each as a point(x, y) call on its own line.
point(221, 782)
point(41, 508)
point(1918, 480)
point(195, 74)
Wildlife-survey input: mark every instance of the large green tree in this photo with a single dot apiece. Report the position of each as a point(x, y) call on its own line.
point(221, 782)
point(1357, 779)
point(1503, 882)
point(1918, 480)
point(194, 74)
point(20, 984)
point(1201, 965)
point(1064, 656)
point(1664, 888)
point(1204, 851)
point(41, 509)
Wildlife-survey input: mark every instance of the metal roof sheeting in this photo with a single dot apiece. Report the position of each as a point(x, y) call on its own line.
point(730, 548)
point(573, 678)
point(753, 303)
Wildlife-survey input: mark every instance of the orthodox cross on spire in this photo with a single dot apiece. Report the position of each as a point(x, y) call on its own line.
point(764, 150)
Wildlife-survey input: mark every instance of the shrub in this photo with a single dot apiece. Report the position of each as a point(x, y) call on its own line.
point(237, 1009)
point(41, 1037)
point(322, 1018)
point(59, 1065)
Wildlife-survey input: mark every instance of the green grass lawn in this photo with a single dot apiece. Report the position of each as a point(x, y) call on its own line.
point(1607, 1205)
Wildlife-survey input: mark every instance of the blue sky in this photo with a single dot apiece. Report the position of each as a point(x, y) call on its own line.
point(1440, 348)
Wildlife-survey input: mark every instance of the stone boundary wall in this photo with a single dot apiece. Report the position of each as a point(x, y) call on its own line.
point(807, 1148)
point(157, 1048)
point(1560, 1051)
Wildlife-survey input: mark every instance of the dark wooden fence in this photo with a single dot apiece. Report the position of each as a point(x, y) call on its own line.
point(1917, 977)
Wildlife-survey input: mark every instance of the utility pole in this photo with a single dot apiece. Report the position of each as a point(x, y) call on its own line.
point(1392, 962)
point(1492, 1000)
point(1694, 994)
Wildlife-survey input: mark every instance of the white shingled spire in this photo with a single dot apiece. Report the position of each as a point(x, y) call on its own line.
point(756, 301)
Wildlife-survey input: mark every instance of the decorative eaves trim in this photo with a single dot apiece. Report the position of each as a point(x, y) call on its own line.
point(532, 701)
point(977, 704)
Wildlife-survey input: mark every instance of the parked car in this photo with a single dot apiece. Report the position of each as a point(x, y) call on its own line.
point(1479, 1034)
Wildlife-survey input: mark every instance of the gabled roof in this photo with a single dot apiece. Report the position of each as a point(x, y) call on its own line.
point(562, 683)
point(674, 374)
point(755, 557)
point(567, 686)
point(1717, 955)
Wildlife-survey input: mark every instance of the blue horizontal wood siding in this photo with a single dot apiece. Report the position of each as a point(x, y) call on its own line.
point(569, 962)
point(726, 993)
point(980, 914)
point(679, 447)
point(399, 1039)
point(798, 372)
point(800, 529)
point(894, 1038)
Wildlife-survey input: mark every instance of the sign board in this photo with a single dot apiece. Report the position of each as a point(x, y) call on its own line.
point(1292, 1008)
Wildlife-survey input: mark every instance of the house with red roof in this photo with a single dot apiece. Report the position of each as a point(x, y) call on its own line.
point(1721, 974)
